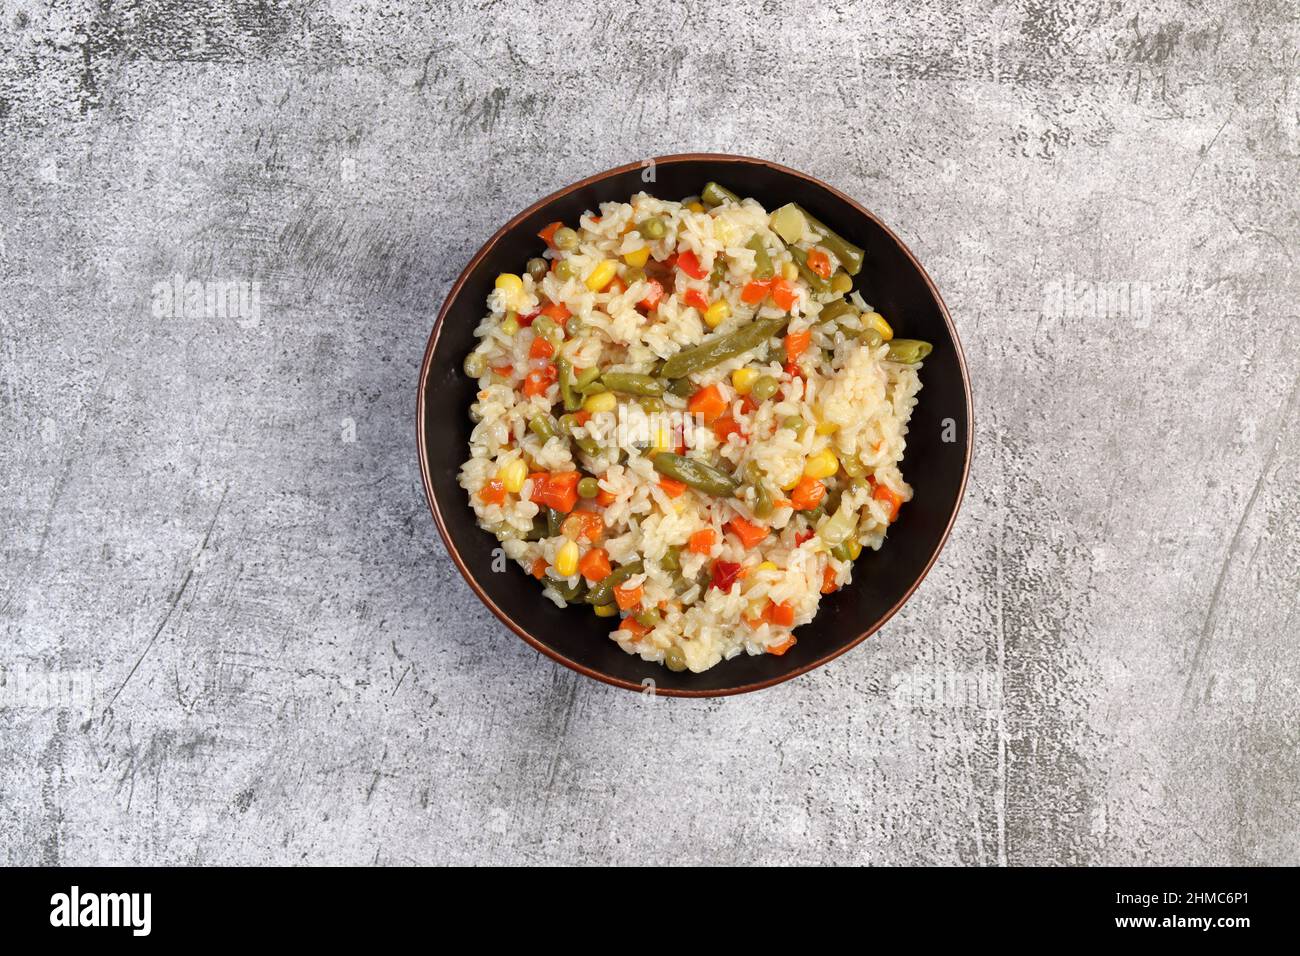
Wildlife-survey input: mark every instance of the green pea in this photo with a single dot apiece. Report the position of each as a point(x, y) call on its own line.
point(476, 365)
point(564, 270)
point(675, 659)
point(567, 423)
point(649, 618)
point(565, 239)
point(543, 427)
point(588, 488)
point(510, 324)
point(573, 326)
point(545, 327)
point(870, 338)
point(650, 404)
point(764, 387)
point(795, 424)
point(537, 268)
point(652, 228)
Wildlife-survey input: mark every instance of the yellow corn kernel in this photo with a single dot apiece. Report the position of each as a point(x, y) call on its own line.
point(602, 275)
point(695, 206)
point(855, 548)
point(821, 465)
point(826, 428)
point(663, 440)
point(789, 485)
point(743, 379)
point(637, 257)
point(717, 313)
point(874, 320)
point(510, 282)
point(767, 566)
point(841, 282)
point(513, 475)
point(789, 271)
point(566, 559)
point(600, 402)
point(605, 610)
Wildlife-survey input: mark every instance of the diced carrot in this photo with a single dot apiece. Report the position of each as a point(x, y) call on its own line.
point(634, 627)
point(558, 490)
point(547, 235)
point(538, 570)
point(749, 533)
point(605, 498)
point(628, 598)
point(783, 293)
point(819, 262)
point(891, 498)
point(707, 402)
point(781, 648)
point(672, 487)
point(828, 580)
point(701, 542)
point(696, 299)
point(537, 381)
point(654, 291)
point(807, 494)
point(782, 615)
point(557, 311)
point(505, 371)
point(755, 292)
point(726, 427)
point(689, 263)
point(754, 622)
point(796, 343)
point(583, 416)
point(616, 286)
point(541, 349)
point(594, 565)
point(493, 493)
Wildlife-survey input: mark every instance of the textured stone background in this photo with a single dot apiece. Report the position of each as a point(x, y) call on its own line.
point(232, 635)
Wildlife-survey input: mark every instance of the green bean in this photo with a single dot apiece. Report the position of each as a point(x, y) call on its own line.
point(553, 521)
point(632, 384)
point(681, 584)
point(570, 592)
point(675, 659)
point(564, 377)
point(510, 324)
point(564, 270)
point(603, 593)
point(841, 552)
point(764, 387)
point(588, 487)
point(650, 617)
point(566, 424)
point(815, 282)
point(870, 338)
point(837, 310)
point(537, 268)
point(588, 445)
point(594, 387)
point(476, 364)
point(565, 239)
point(538, 531)
point(718, 348)
point(698, 475)
point(681, 387)
point(652, 228)
point(908, 351)
point(543, 427)
point(650, 404)
point(719, 270)
point(585, 377)
point(850, 256)
point(672, 559)
point(763, 506)
point(714, 195)
point(762, 261)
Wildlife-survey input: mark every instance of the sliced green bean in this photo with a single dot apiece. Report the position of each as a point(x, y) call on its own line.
point(570, 592)
point(584, 378)
point(714, 195)
point(681, 387)
point(587, 445)
point(850, 256)
point(652, 228)
point(564, 377)
point(650, 617)
point(553, 521)
point(696, 474)
point(718, 348)
point(763, 506)
point(837, 310)
point(762, 261)
point(632, 384)
point(543, 427)
point(603, 593)
point(908, 351)
point(672, 559)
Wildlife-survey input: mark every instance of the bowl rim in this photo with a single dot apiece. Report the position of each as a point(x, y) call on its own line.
point(454, 293)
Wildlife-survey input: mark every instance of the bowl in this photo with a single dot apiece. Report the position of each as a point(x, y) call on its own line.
point(938, 442)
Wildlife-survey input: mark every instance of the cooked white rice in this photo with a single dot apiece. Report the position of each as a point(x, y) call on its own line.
point(854, 400)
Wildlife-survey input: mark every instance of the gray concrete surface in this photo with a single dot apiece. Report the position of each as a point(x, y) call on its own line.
point(232, 635)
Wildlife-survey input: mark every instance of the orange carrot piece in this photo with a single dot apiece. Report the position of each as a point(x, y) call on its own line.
point(594, 565)
point(628, 598)
point(807, 494)
point(672, 487)
point(779, 649)
point(701, 542)
point(749, 533)
point(796, 343)
point(707, 402)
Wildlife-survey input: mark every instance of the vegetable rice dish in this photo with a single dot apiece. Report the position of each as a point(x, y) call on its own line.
point(688, 422)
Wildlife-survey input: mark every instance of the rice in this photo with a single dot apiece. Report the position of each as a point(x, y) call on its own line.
point(814, 464)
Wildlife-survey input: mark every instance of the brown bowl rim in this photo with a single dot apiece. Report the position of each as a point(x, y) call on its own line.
point(454, 292)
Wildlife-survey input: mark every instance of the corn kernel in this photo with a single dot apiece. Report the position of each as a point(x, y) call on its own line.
point(513, 475)
point(566, 559)
point(605, 610)
point(841, 282)
point(855, 548)
point(510, 282)
point(768, 566)
point(822, 465)
point(602, 275)
point(663, 440)
point(637, 257)
point(874, 320)
point(826, 428)
point(742, 380)
point(789, 485)
point(789, 271)
point(715, 314)
point(600, 402)
point(695, 206)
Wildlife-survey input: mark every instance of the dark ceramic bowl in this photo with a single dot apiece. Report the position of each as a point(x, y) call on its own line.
point(938, 440)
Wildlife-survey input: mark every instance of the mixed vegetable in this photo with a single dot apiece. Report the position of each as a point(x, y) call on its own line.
point(796, 256)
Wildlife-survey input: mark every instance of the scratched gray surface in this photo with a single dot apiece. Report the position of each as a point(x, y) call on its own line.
point(231, 634)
